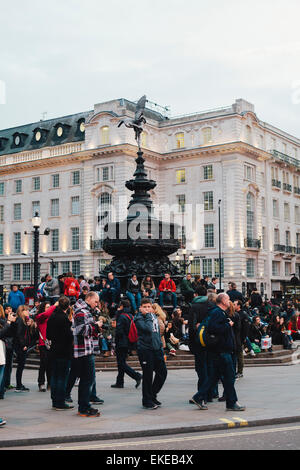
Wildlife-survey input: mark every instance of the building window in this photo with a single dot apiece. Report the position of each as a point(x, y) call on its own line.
point(275, 208)
point(104, 209)
point(297, 240)
point(55, 268)
point(2, 188)
point(288, 238)
point(276, 236)
point(180, 176)
point(55, 239)
point(250, 216)
point(179, 140)
point(181, 202)
point(16, 272)
point(275, 268)
point(75, 205)
point(217, 267)
point(196, 266)
point(2, 272)
point(65, 266)
point(250, 267)
point(263, 206)
point(35, 208)
point(76, 268)
point(207, 267)
point(17, 242)
point(182, 236)
point(104, 132)
point(105, 173)
point(207, 135)
point(55, 181)
point(1, 243)
point(264, 240)
point(249, 173)
point(1, 213)
point(287, 269)
point(209, 241)
point(75, 238)
point(208, 172)
point(286, 211)
point(208, 198)
point(75, 177)
point(17, 211)
point(54, 207)
point(18, 186)
point(26, 272)
point(36, 183)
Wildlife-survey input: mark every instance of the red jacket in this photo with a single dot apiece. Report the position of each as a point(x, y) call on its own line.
point(170, 285)
point(71, 287)
point(41, 321)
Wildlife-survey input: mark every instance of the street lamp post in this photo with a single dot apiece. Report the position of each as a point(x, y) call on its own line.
point(187, 260)
point(36, 222)
point(220, 252)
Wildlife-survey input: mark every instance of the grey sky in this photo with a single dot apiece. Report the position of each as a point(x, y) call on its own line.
point(64, 56)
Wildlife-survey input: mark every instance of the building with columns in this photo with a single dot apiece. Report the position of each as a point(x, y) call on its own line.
point(72, 170)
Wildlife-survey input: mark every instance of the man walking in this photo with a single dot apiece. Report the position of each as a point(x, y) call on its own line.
point(222, 355)
point(122, 345)
point(85, 329)
point(151, 356)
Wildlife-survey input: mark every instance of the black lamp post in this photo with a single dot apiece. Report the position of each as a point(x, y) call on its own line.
point(220, 253)
point(36, 222)
point(187, 260)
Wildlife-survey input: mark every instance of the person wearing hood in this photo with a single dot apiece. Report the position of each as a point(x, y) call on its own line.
point(151, 355)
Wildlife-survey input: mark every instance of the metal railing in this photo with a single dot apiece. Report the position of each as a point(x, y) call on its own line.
point(252, 243)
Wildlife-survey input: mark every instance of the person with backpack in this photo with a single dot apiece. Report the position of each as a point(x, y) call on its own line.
point(151, 354)
point(71, 288)
point(125, 336)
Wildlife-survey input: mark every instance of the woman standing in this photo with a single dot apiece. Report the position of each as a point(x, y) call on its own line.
point(25, 336)
point(44, 312)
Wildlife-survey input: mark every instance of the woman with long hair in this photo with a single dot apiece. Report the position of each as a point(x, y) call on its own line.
point(293, 326)
point(161, 317)
point(25, 337)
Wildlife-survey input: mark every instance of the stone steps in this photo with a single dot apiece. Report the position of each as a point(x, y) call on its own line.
point(185, 360)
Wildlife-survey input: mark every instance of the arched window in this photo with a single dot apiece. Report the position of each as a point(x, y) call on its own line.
point(104, 133)
point(104, 210)
point(250, 216)
point(207, 135)
point(180, 140)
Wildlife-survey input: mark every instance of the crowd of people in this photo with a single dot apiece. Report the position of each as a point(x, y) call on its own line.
point(74, 319)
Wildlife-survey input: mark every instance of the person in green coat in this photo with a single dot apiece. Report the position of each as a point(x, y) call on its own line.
point(186, 288)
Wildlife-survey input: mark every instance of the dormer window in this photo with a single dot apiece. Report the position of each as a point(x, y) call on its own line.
point(61, 131)
point(18, 140)
point(80, 128)
point(39, 136)
point(3, 143)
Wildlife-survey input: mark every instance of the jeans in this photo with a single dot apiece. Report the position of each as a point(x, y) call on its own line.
point(85, 369)
point(2, 388)
point(45, 366)
point(152, 361)
point(135, 300)
point(21, 360)
point(59, 379)
point(162, 296)
point(72, 379)
point(201, 367)
point(222, 366)
point(124, 368)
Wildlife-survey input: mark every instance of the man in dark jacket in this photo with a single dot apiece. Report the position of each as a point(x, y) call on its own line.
point(60, 334)
point(197, 313)
point(234, 294)
point(151, 356)
point(244, 330)
point(186, 288)
point(220, 326)
point(122, 346)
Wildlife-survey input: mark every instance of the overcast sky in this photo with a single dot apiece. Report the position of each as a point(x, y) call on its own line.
point(63, 56)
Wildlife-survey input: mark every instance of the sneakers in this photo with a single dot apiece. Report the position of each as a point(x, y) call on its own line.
point(236, 407)
point(150, 407)
point(96, 401)
point(156, 402)
point(200, 404)
point(42, 388)
point(2, 422)
point(22, 389)
point(69, 399)
point(63, 408)
point(138, 382)
point(90, 413)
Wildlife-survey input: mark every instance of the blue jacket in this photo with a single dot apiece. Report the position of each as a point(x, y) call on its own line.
point(15, 299)
point(219, 326)
point(148, 332)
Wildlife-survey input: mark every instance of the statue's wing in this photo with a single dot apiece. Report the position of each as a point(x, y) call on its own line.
point(140, 107)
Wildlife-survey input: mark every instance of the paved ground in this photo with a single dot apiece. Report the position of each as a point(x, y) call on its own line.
point(268, 393)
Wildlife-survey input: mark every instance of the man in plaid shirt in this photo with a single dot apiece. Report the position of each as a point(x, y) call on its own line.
point(85, 328)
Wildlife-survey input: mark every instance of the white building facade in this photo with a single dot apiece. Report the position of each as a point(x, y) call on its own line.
point(72, 171)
